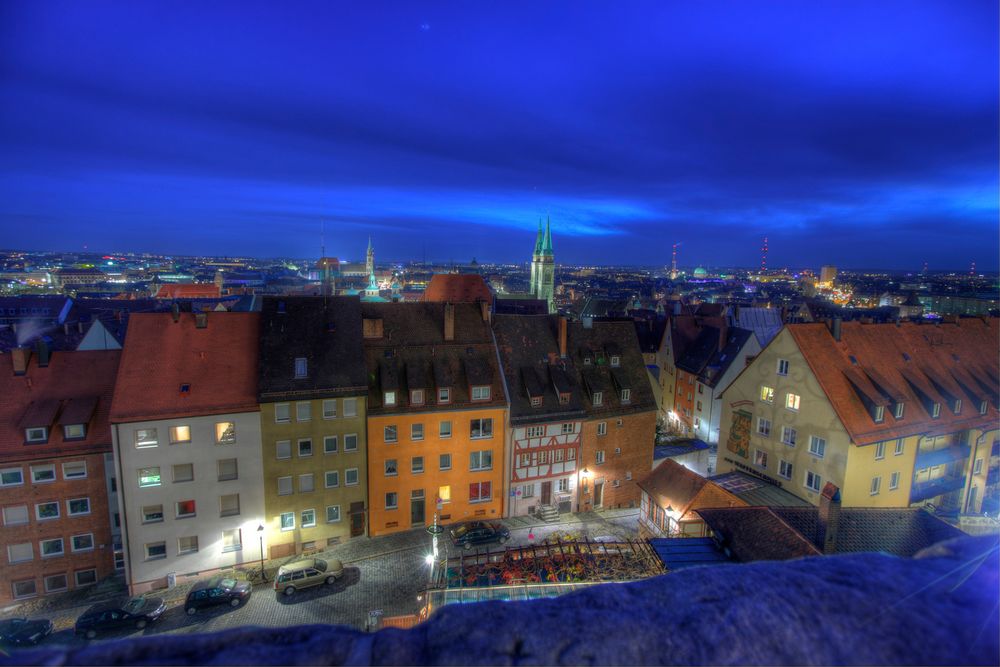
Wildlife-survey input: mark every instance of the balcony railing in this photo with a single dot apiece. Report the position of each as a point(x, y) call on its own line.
point(924, 490)
point(937, 457)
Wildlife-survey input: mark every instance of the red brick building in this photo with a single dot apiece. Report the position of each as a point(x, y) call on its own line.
point(56, 531)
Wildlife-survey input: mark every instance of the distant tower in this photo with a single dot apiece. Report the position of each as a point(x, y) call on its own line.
point(673, 263)
point(925, 268)
point(543, 267)
point(370, 259)
point(763, 257)
point(827, 275)
point(972, 269)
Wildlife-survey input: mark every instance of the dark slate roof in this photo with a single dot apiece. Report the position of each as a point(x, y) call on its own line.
point(650, 334)
point(529, 355)
point(324, 330)
point(678, 448)
point(512, 306)
point(678, 553)
point(699, 352)
point(723, 359)
point(597, 307)
point(631, 374)
point(899, 531)
point(412, 335)
point(756, 533)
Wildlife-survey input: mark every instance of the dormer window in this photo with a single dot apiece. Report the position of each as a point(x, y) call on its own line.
point(957, 406)
point(598, 398)
point(481, 393)
point(417, 397)
point(444, 395)
point(897, 410)
point(983, 405)
point(587, 361)
point(626, 395)
point(389, 398)
point(616, 361)
point(536, 401)
point(563, 399)
point(936, 410)
point(74, 431)
point(36, 434)
point(301, 368)
point(879, 415)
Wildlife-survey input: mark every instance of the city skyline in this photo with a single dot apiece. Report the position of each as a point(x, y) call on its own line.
point(448, 133)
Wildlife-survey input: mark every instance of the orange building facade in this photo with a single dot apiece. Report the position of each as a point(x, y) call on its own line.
point(417, 460)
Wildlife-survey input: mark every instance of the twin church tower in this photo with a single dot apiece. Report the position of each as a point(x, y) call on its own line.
point(543, 266)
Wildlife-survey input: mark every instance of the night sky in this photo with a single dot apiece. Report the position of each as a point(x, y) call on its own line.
point(860, 134)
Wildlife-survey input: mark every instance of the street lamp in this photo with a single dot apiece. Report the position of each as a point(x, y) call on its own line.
point(260, 534)
point(579, 489)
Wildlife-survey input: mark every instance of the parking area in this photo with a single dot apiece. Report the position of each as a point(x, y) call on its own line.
point(385, 574)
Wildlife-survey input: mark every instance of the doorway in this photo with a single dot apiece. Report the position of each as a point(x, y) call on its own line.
point(546, 493)
point(357, 519)
point(417, 509)
point(598, 494)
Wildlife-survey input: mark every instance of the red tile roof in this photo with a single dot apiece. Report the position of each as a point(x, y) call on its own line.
point(670, 484)
point(910, 358)
point(218, 363)
point(458, 288)
point(188, 291)
point(74, 384)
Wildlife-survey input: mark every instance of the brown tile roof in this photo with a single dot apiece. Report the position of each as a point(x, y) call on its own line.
point(188, 291)
point(458, 288)
point(756, 533)
point(595, 342)
point(413, 336)
point(72, 385)
point(218, 364)
point(672, 485)
point(913, 361)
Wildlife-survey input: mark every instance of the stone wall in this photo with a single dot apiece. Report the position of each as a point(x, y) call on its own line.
point(858, 609)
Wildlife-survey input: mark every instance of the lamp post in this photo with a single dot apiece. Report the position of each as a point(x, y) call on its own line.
point(260, 534)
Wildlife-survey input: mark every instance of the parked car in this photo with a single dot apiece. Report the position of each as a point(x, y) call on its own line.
point(307, 572)
point(474, 533)
point(217, 590)
point(128, 612)
point(22, 632)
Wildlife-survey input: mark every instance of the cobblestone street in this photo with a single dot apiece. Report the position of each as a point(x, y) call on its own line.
point(385, 574)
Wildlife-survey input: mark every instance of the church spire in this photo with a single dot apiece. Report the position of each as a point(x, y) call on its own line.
point(538, 239)
point(547, 243)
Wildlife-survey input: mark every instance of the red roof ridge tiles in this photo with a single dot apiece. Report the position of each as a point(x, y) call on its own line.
point(458, 288)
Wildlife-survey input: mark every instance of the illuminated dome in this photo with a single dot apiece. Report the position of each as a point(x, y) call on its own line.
point(700, 272)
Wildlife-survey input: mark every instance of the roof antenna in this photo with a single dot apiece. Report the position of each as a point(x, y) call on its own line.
point(322, 260)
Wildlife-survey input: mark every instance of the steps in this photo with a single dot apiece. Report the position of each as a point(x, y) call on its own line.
point(548, 513)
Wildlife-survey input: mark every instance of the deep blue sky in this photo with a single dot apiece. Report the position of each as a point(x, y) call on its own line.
point(861, 134)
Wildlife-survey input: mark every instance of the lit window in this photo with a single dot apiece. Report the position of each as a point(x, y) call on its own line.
point(767, 394)
point(288, 520)
point(792, 401)
point(149, 476)
point(301, 367)
point(444, 494)
point(146, 437)
point(185, 509)
point(225, 433)
point(389, 398)
point(74, 432)
point(179, 434)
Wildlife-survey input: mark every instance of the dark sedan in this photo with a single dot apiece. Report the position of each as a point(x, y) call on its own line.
point(110, 616)
point(214, 591)
point(474, 533)
point(22, 632)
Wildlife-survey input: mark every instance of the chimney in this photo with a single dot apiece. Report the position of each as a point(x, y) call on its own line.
point(201, 320)
point(562, 337)
point(828, 520)
point(175, 312)
point(43, 352)
point(835, 328)
point(371, 328)
point(20, 357)
point(449, 321)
